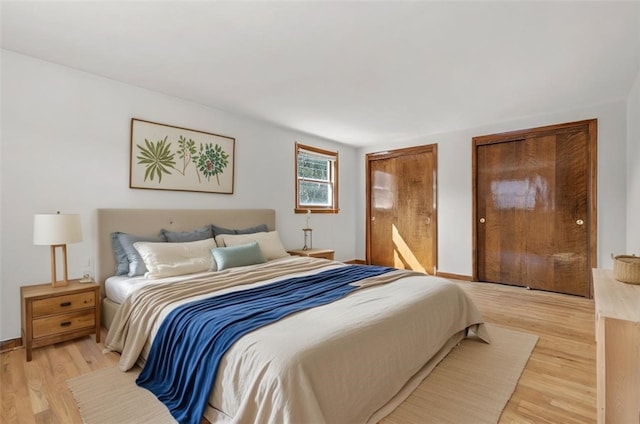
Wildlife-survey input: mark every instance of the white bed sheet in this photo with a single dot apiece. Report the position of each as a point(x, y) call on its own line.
point(119, 287)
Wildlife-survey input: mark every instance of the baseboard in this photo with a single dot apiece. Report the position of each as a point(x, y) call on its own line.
point(10, 344)
point(454, 276)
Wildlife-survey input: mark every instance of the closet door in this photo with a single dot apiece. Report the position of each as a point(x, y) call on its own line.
point(534, 220)
point(401, 208)
point(502, 252)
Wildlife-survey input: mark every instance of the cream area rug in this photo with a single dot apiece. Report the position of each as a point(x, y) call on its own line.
point(471, 385)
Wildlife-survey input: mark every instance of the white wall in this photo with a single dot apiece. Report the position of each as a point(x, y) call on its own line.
point(65, 146)
point(633, 169)
point(455, 192)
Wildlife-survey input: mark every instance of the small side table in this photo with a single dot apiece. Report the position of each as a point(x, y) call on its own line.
point(56, 314)
point(314, 253)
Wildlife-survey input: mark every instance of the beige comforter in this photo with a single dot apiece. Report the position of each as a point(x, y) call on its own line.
point(351, 361)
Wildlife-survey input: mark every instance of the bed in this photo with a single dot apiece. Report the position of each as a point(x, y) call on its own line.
point(351, 360)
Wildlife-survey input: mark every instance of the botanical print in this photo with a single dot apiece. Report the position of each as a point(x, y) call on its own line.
point(166, 157)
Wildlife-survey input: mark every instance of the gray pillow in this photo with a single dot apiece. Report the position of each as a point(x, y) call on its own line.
point(240, 255)
point(122, 264)
point(186, 236)
point(262, 228)
point(136, 264)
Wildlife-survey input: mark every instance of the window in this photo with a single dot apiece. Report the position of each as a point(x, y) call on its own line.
point(316, 180)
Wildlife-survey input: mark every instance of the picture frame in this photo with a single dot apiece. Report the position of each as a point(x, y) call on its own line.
point(167, 157)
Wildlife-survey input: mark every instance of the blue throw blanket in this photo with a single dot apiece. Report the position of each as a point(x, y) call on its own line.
point(183, 361)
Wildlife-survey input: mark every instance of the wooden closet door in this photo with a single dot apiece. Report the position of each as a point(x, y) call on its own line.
point(568, 261)
point(501, 205)
point(401, 230)
point(533, 209)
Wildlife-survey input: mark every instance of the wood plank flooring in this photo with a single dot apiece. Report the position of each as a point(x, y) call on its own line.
point(558, 384)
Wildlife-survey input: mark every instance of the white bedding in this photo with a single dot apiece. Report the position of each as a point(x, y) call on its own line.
point(353, 360)
point(119, 287)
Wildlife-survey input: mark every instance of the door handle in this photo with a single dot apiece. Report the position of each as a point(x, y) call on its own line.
point(579, 222)
point(482, 220)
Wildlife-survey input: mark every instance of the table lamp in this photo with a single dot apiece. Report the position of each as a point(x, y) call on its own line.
point(308, 235)
point(57, 230)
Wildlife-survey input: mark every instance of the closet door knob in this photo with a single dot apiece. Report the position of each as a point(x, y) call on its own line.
point(482, 220)
point(579, 222)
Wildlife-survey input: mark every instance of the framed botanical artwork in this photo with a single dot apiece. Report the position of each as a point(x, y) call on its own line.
point(166, 157)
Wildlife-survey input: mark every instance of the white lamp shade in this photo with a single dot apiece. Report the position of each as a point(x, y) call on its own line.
point(49, 229)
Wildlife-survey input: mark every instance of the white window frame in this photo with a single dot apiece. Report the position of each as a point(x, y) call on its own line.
point(332, 157)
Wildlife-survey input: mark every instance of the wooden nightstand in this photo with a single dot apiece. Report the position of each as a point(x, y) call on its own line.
point(314, 253)
point(56, 314)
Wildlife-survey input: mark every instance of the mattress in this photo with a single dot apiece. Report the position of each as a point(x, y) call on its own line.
point(353, 360)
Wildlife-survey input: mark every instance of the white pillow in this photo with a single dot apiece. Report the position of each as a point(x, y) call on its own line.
point(269, 243)
point(169, 259)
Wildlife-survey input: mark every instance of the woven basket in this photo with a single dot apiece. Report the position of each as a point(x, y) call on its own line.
point(626, 268)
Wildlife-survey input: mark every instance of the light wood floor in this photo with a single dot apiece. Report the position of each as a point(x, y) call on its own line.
point(558, 384)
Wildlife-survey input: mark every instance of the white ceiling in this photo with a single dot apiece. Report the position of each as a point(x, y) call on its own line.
point(357, 72)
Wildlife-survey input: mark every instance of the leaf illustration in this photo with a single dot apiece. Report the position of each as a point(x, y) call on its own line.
point(186, 150)
point(157, 158)
point(212, 160)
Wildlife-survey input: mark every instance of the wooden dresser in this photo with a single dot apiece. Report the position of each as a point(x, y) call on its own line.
point(52, 315)
point(618, 348)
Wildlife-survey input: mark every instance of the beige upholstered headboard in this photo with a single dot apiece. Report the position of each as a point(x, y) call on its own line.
point(149, 222)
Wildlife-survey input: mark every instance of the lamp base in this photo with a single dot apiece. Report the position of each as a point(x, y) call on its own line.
point(61, 283)
point(54, 278)
point(308, 238)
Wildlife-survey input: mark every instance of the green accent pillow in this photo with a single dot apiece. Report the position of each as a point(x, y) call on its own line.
point(241, 255)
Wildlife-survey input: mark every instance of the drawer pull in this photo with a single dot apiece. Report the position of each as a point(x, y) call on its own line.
point(65, 324)
point(63, 304)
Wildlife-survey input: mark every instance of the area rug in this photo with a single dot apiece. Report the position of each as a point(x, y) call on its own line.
point(471, 385)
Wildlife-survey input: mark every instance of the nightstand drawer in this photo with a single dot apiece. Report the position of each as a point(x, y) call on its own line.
point(63, 323)
point(66, 303)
